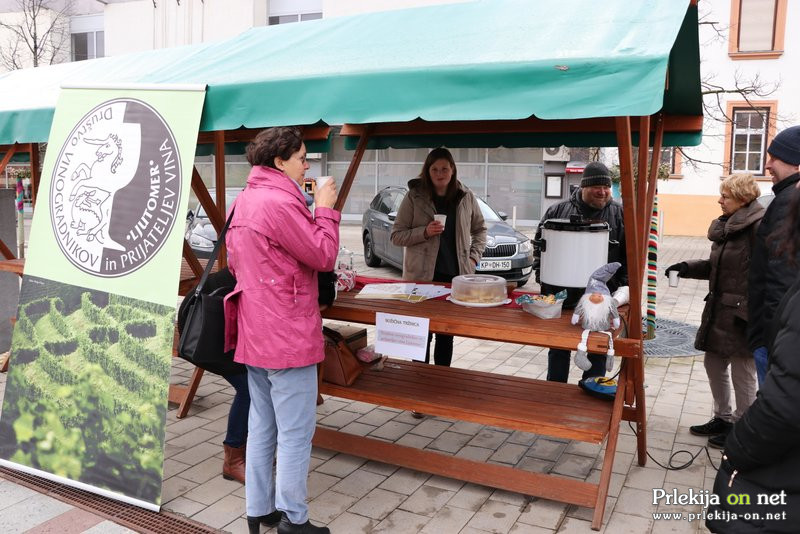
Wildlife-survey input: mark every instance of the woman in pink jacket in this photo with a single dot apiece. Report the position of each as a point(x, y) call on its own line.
point(275, 249)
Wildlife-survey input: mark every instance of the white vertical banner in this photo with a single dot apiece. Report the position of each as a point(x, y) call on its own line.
point(86, 396)
point(401, 336)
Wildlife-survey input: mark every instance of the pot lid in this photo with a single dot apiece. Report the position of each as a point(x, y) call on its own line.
point(575, 225)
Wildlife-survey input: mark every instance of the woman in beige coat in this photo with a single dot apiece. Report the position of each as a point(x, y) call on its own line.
point(723, 327)
point(436, 251)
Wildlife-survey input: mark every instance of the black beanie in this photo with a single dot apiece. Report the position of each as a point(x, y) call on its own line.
point(786, 146)
point(596, 173)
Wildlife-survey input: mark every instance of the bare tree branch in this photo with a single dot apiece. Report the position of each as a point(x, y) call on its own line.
point(41, 34)
point(714, 104)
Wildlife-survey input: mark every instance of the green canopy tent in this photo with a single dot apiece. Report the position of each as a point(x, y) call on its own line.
point(484, 60)
point(484, 73)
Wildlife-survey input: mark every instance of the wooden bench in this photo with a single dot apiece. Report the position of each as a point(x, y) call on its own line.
point(528, 405)
point(515, 403)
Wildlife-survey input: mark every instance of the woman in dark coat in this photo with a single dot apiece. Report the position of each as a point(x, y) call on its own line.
point(762, 451)
point(723, 327)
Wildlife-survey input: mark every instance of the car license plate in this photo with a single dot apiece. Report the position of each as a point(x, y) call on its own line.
point(494, 265)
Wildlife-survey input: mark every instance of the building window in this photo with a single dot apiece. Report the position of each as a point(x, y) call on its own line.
point(749, 133)
point(667, 158)
point(670, 158)
point(87, 45)
point(284, 19)
point(747, 137)
point(286, 11)
point(757, 28)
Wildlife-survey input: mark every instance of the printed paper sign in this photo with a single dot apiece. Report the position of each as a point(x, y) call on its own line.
point(401, 336)
point(86, 397)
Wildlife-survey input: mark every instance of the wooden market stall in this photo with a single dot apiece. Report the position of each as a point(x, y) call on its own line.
point(478, 74)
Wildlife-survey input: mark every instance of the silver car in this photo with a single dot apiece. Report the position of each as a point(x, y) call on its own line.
point(200, 233)
point(508, 253)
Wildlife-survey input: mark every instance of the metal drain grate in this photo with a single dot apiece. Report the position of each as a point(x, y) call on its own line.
point(127, 515)
point(672, 339)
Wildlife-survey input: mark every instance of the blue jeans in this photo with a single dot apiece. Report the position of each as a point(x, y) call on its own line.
point(761, 357)
point(558, 362)
point(283, 406)
point(240, 406)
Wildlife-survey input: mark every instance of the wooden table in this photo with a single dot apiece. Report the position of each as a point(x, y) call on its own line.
point(528, 405)
point(503, 323)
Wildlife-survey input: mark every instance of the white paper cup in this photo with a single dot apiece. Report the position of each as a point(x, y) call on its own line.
point(441, 218)
point(673, 279)
point(322, 180)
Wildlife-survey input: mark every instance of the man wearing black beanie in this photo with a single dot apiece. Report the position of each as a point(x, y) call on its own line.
point(772, 273)
point(593, 201)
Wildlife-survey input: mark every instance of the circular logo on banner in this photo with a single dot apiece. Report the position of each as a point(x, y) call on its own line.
point(115, 188)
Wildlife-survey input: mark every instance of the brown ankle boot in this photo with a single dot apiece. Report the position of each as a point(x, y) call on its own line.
point(233, 466)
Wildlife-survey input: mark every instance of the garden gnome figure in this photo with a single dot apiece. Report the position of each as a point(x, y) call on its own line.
point(597, 312)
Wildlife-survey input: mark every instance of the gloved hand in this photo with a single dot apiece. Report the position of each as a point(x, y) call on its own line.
point(681, 267)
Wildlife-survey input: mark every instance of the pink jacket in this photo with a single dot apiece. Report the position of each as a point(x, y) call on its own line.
point(275, 248)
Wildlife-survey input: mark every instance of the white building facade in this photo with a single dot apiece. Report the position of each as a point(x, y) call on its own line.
point(742, 42)
point(67, 30)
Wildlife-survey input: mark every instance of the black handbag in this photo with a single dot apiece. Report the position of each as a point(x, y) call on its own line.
point(326, 281)
point(202, 336)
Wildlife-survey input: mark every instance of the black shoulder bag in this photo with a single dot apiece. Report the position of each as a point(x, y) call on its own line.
point(201, 321)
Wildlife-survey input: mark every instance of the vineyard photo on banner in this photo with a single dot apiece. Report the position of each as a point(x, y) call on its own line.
point(86, 396)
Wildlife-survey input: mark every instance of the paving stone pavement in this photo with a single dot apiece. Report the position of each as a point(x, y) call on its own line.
point(351, 494)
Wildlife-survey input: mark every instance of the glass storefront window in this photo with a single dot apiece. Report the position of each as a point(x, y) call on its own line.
point(515, 176)
point(515, 155)
point(397, 174)
point(363, 190)
point(469, 155)
point(516, 185)
point(473, 176)
point(404, 155)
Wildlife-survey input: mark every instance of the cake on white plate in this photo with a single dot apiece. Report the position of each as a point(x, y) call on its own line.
point(479, 289)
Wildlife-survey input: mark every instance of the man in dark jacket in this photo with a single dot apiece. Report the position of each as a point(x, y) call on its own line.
point(771, 272)
point(593, 201)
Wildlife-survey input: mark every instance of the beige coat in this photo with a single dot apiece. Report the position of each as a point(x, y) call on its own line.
point(414, 214)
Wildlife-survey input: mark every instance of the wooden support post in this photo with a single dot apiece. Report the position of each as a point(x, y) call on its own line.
point(206, 201)
point(641, 168)
point(34, 151)
point(184, 395)
point(191, 259)
point(635, 251)
point(632, 226)
point(638, 366)
point(611, 447)
point(12, 149)
point(219, 178)
point(350, 176)
point(6, 252)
